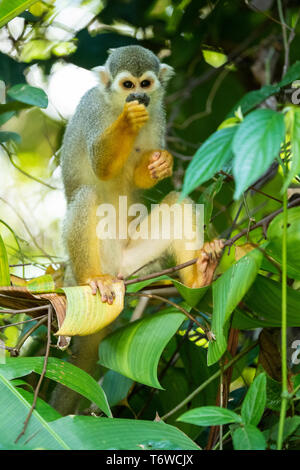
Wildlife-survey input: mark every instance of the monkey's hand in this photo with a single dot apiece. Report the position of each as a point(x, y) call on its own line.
point(208, 259)
point(160, 165)
point(105, 285)
point(135, 115)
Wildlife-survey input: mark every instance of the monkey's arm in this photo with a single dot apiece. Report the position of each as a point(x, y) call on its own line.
point(111, 150)
point(154, 166)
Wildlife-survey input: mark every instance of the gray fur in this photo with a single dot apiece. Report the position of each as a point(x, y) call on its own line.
point(134, 59)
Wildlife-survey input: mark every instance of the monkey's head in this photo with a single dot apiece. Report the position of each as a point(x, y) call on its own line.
point(134, 70)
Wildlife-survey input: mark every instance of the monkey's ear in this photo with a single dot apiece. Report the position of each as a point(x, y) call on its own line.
point(165, 73)
point(102, 74)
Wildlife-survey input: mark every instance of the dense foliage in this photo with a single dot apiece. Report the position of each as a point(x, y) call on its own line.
point(215, 367)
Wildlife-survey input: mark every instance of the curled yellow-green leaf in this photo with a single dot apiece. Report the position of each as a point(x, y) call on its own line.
point(86, 314)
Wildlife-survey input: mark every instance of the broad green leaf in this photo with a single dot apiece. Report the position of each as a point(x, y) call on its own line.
point(90, 433)
point(46, 411)
point(255, 401)
point(195, 366)
point(4, 266)
point(209, 416)
point(61, 371)
point(292, 74)
point(7, 136)
point(11, 8)
point(4, 117)
point(8, 445)
point(14, 410)
point(264, 300)
point(160, 445)
point(135, 349)
point(295, 137)
point(191, 295)
point(116, 387)
point(29, 95)
point(255, 145)
point(253, 98)
point(248, 438)
point(209, 159)
point(291, 423)
point(11, 108)
point(274, 235)
point(228, 291)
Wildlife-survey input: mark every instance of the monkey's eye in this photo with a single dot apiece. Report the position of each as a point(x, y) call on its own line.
point(145, 83)
point(128, 84)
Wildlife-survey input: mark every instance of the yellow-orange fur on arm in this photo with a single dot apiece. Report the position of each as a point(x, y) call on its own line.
point(116, 142)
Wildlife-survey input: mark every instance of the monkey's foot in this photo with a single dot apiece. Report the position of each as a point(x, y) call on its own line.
point(160, 164)
point(105, 285)
point(208, 259)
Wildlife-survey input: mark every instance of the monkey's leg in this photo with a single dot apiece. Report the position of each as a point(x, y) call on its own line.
point(170, 237)
point(84, 246)
point(79, 233)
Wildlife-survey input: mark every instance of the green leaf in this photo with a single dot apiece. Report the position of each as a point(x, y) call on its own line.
point(209, 416)
point(191, 295)
point(14, 410)
point(264, 300)
point(86, 314)
point(90, 433)
point(209, 159)
point(291, 423)
point(253, 98)
point(255, 401)
point(10, 9)
point(4, 117)
point(292, 74)
point(60, 371)
point(248, 438)
point(46, 411)
point(207, 198)
point(255, 145)
point(295, 138)
point(135, 349)
point(274, 236)
point(12, 107)
point(116, 387)
point(273, 395)
point(228, 291)
point(29, 95)
point(4, 266)
point(6, 136)
point(41, 284)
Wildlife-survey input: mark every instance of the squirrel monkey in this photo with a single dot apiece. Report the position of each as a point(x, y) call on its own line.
point(114, 146)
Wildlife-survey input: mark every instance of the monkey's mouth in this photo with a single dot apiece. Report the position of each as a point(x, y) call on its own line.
point(142, 98)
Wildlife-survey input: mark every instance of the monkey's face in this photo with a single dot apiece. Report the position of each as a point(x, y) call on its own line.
point(125, 84)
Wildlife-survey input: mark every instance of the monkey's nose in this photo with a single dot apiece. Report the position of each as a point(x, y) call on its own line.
point(142, 98)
